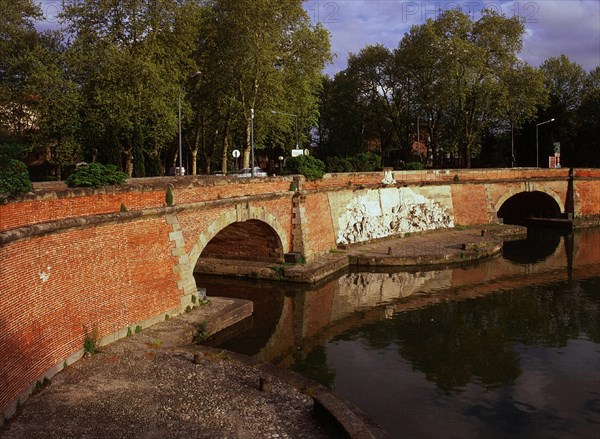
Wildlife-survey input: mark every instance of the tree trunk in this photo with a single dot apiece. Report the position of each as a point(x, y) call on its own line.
point(128, 162)
point(199, 127)
point(248, 145)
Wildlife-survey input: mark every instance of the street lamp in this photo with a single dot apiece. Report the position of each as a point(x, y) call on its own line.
point(252, 142)
point(180, 172)
point(292, 115)
point(537, 147)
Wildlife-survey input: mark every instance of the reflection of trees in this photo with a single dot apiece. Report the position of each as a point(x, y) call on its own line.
point(455, 343)
point(314, 366)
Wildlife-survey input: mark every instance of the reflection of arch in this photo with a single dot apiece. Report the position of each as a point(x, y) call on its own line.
point(529, 187)
point(242, 213)
point(531, 204)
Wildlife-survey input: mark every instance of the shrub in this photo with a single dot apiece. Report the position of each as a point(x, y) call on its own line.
point(123, 208)
point(169, 197)
point(339, 164)
point(414, 166)
point(201, 334)
point(309, 166)
point(91, 342)
point(14, 178)
point(367, 162)
point(96, 175)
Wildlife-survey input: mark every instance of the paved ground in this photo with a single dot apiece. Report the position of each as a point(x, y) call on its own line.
point(156, 384)
point(149, 386)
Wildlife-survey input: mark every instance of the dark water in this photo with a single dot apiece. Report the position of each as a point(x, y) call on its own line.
point(506, 348)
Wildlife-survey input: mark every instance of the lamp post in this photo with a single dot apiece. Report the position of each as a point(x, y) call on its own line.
point(537, 146)
point(252, 142)
point(180, 171)
point(292, 115)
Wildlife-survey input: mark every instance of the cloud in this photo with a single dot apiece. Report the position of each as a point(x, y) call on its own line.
point(553, 27)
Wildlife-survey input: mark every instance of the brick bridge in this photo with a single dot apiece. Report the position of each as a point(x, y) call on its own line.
point(72, 262)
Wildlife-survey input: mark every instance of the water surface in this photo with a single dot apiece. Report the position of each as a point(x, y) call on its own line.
point(508, 347)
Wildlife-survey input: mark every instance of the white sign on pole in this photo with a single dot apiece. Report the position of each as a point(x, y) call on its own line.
point(235, 153)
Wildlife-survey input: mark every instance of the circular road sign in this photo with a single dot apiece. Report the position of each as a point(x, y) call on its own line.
point(235, 153)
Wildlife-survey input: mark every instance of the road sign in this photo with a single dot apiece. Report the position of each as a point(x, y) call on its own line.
point(235, 153)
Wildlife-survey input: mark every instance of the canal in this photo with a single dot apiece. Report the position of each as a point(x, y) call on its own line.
point(503, 348)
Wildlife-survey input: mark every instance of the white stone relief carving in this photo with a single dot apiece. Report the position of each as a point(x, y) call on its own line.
point(386, 212)
point(388, 177)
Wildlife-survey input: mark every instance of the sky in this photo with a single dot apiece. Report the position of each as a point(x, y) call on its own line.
point(553, 27)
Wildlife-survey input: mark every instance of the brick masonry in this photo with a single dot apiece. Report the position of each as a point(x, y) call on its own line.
point(60, 278)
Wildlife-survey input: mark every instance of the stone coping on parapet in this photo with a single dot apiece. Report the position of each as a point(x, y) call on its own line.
point(58, 189)
point(436, 247)
point(158, 384)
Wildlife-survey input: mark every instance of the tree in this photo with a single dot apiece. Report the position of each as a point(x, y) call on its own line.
point(565, 81)
point(18, 41)
point(459, 72)
point(269, 56)
point(131, 65)
point(588, 115)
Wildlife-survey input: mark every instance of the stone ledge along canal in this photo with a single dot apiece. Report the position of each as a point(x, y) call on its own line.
point(504, 348)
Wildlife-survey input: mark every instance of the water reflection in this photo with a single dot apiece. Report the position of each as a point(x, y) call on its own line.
point(503, 348)
point(540, 244)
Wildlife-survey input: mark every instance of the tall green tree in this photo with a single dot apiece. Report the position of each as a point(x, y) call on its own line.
point(18, 43)
point(588, 114)
point(132, 65)
point(269, 56)
point(565, 81)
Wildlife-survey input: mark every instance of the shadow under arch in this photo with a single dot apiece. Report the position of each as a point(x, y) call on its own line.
point(245, 232)
point(518, 207)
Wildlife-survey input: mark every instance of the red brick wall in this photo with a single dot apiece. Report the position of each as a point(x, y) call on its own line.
point(318, 216)
point(470, 204)
point(71, 204)
point(587, 197)
point(109, 277)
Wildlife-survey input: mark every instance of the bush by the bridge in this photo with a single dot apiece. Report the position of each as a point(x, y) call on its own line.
point(363, 162)
point(96, 175)
point(14, 178)
point(414, 166)
point(309, 166)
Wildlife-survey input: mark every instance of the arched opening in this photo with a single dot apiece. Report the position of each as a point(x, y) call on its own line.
point(251, 240)
point(518, 208)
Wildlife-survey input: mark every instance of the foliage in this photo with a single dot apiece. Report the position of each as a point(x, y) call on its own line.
point(95, 175)
point(452, 78)
point(414, 166)
point(201, 334)
point(123, 208)
point(169, 197)
point(309, 166)
point(339, 164)
point(367, 162)
point(14, 178)
point(91, 341)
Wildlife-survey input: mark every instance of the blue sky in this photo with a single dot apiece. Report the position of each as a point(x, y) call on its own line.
point(552, 27)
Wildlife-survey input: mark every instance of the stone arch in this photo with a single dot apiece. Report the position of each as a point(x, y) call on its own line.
point(523, 205)
point(528, 187)
point(241, 213)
